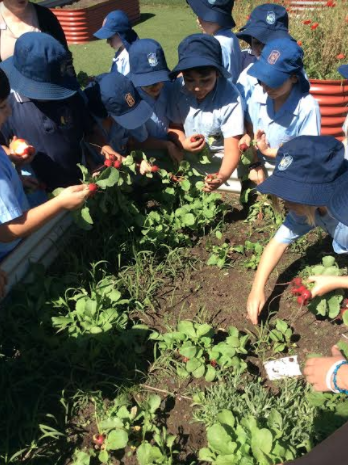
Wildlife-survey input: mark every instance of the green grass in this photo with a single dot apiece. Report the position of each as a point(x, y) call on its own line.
point(166, 24)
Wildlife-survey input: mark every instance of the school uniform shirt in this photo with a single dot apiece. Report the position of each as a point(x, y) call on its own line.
point(13, 201)
point(246, 85)
point(157, 125)
point(231, 54)
point(298, 116)
point(296, 226)
point(55, 129)
point(120, 62)
point(118, 137)
point(218, 117)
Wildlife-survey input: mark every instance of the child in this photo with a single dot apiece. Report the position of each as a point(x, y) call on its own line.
point(46, 109)
point(204, 107)
point(285, 109)
point(215, 18)
point(150, 75)
point(118, 32)
point(308, 172)
point(119, 110)
point(17, 220)
point(265, 24)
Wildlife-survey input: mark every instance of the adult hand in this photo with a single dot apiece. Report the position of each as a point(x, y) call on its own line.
point(323, 284)
point(73, 197)
point(316, 370)
point(255, 303)
point(194, 143)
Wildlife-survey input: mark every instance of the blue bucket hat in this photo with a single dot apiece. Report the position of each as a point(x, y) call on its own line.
point(214, 11)
point(117, 22)
point(39, 68)
point(147, 63)
point(343, 69)
point(120, 99)
point(279, 60)
point(266, 22)
point(338, 204)
point(308, 169)
point(199, 50)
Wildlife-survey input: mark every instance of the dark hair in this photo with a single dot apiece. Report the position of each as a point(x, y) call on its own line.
point(203, 70)
point(4, 85)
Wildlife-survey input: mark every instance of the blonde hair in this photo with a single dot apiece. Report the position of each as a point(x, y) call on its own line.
point(306, 210)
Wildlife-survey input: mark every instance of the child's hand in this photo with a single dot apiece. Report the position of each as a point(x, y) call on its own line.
point(194, 143)
point(255, 304)
point(257, 175)
point(110, 154)
point(245, 140)
point(212, 182)
point(73, 197)
point(261, 140)
point(316, 370)
point(145, 167)
point(323, 284)
point(175, 153)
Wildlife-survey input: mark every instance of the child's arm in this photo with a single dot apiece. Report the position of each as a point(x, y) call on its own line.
point(69, 199)
point(193, 144)
point(263, 145)
point(228, 165)
point(269, 260)
point(324, 284)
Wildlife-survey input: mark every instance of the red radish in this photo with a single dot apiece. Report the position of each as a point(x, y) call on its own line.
point(296, 282)
point(93, 189)
point(185, 359)
point(301, 300)
point(243, 147)
point(108, 163)
point(211, 177)
point(112, 157)
point(213, 363)
point(295, 291)
point(117, 164)
point(301, 289)
point(99, 439)
point(197, 138)
point(22, 148)
point(307, 295)
point(154, 169)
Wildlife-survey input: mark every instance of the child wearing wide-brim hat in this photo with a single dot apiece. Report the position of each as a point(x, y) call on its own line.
point(309, 175)
point(118, 32)
point(205, 109)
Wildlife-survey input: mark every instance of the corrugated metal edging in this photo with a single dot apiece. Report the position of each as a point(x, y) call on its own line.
point(80, 24)
point(332, 96)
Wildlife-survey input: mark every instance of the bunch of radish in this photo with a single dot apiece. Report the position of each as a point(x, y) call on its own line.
point(303, 294)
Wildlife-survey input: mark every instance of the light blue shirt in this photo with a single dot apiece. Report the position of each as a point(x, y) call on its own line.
point(299, 116)
point(117, 136)
point(218, 117)
point(120, 62)
point(13, 201)
point(231, 54)
point(157, 125)
point(296, 226)
point(246, 85)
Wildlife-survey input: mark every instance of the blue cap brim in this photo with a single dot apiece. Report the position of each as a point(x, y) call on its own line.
point(338, 204)
point(148, 79)
point(197, 62)
point(316, 195)
point(134, 118)
point(274, 78)
point(37, 90)
point(343, 69)
point(208, 14)
point(104, 33)
point(262, 34)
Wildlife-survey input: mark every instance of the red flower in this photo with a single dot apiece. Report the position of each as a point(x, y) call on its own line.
point(341, 56)
point(330, 3)
point(314, 26)
point(299, 42)
point(307, 21)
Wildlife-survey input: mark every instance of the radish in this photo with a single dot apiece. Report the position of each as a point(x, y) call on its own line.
point(296, 282)
point(99, 439)
point(22, 148)
point(301, 300)
point(93, 189)
point(196, 138)
point(185, 359)
point(108, 163)
point(306, 294)
point(154, 169)
point(243, 147)
point(213, 363)
point(117, 164)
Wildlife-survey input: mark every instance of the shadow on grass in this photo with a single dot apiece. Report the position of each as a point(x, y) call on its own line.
point(144, 17)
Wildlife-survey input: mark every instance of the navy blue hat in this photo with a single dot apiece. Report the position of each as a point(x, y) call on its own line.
point(338, 204)
point(117, 22)
point(214, 11)
point(198, 50)
point(343, 69)
point(279, 60)
point(266, 22)
point(39, 68)
point(308, 169)
point(147, 63)
point(121, 100)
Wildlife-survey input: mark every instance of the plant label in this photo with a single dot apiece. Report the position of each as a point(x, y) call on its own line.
point(282, 368)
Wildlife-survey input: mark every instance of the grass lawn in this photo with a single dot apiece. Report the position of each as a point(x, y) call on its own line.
point(166, 24)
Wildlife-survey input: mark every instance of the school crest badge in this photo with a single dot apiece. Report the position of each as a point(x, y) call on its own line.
point(130, 100)
point(273, 57)
point(212, 2)
point(285, 162)
point(152, 59)
point(270, 18)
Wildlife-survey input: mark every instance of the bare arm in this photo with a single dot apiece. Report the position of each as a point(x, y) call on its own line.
point(178, 136)
point(269, 260)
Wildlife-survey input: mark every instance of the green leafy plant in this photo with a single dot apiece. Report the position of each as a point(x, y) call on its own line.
point(273, 338)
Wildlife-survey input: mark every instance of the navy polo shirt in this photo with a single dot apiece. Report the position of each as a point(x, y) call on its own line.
point(55, 129)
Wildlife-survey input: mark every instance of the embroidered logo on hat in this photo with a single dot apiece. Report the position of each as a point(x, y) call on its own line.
point(271, 17)
point(130, 100)
point(212, 2)
point(285, 162)
point(273, 57)
point(152, 59)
